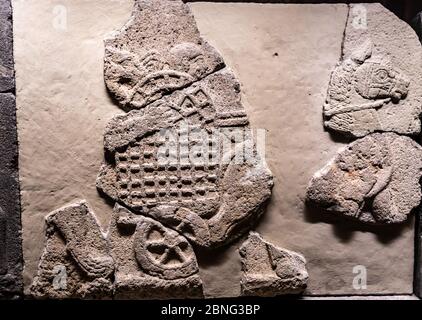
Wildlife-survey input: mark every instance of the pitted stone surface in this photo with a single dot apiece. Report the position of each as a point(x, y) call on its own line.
point(377, 85)
point(270, 271)
point(152, 261)
point(158, 51)
point(10, 223)
point(7, 76)
point(213, 195)
point(76, 262)
point(374, 179)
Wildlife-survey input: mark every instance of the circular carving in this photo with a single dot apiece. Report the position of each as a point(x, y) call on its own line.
point(163, 252)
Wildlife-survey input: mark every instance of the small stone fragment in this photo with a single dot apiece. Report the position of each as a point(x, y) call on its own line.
point(374, 179)
point(377, 84)
point(157, 52)
point(270, 271)
point(76, 262)
point(152, 261)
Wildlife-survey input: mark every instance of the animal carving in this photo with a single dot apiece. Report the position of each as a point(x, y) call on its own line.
point(364, 82)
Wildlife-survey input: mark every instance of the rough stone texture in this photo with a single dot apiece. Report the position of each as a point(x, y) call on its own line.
point(158, 51)
point(152, 261)
point(282, 93)
point(374, 179)
point(270, 271)
point(377, 85)
point(215, 198)
point(417, 284)
point(7, 76)
point(10, 223)
point(76, 262)
point(284, 63)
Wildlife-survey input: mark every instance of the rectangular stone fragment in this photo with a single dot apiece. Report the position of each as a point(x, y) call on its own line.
point(10, 224)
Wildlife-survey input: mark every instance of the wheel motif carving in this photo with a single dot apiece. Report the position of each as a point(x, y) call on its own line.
point(163, 252)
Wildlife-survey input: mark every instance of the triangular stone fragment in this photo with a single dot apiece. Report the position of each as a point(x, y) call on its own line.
point(270, 271)
point(76, 262)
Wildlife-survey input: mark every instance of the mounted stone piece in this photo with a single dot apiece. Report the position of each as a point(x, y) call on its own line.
point(374, 180)
point(377, 84)
point(270, 271)
point(76, 262)
point(157, 52)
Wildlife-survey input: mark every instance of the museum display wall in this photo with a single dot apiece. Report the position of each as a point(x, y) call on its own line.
point(160, 149)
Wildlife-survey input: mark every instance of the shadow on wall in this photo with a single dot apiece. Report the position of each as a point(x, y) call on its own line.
point(344, 228)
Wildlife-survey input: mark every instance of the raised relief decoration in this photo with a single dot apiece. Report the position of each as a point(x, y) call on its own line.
point(374, 180)
point(182, 166)
point(270, 271)
point(157, 52)
point(179, 172)
point(76, 262)
point(376, 86)
point(152, 261)
point(361, 83)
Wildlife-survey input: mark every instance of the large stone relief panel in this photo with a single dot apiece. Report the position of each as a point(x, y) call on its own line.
point(181, 215)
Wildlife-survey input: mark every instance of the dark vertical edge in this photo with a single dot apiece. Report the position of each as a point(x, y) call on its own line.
point(11, 262)
point(417, 286)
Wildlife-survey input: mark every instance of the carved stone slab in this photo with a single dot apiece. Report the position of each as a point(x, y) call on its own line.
point(197, 187)
point(270, 271)
point(377, 84)
point(374, 179)
point(76, 262)
point(158, 51)
point(10, 223)
point(152, 261)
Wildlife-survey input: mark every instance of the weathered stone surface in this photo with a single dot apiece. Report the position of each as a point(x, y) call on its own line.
point(158, 51)
point(152, 261)
point(374, 179)
point(417, 283)
point(10, 224)
point(377, 85)
point(195, 182)
point(7, 77)
point(62, 116)
point(76, 262)
point(270, 271)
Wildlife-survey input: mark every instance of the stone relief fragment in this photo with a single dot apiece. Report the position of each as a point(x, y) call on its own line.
point(189, 161)
point(374, 180)
point(76, 262)
point(152, 261)
point(158, 51)
point(376, 86)
point(270, 271)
